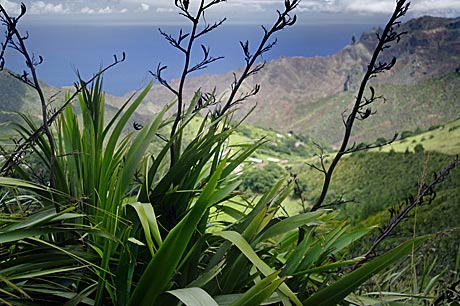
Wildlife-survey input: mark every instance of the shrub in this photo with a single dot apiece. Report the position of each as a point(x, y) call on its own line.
point(261, 178)
point(406, 134)
point(418, 149)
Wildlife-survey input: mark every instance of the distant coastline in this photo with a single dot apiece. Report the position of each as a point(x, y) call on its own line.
point(85, 48)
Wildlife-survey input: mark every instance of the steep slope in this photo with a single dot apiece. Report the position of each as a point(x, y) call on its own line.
point(407, 107)
point(308, 95)
point(16, 96)
point(430, 49)
point(311, 93)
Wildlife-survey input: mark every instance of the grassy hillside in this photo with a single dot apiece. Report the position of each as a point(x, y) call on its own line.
point(376, 181)
point(407, 107)
point(385, 176)
point(289, 147)
point(16, 96)
point(444, 138)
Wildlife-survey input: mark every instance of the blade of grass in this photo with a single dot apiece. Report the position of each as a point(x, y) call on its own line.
point(337, 291)
point(193, 297)
point(260, 292)
point(247, 250)
point(157, 275)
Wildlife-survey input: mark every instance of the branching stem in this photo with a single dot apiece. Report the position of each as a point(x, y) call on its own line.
point(17, 42)
point(421, 197)
point(373, 68)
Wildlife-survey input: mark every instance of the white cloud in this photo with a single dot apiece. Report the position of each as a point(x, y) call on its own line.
point(145, 7)
point(87, 10)
point(258, 8)
point(40, 7)
point(257, 2)
point(103, 10)
point(312, 6)
point(106, 10)
point(350, 6)
point(253, 11)
point(448, 8)
point(385, 6)
point(245, 7)
point(11, 7)
point(165, 10)
point(417, 7)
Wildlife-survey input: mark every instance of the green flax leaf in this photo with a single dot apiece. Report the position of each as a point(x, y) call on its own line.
point(339, 290)
point(193, 297)
point(247, 250)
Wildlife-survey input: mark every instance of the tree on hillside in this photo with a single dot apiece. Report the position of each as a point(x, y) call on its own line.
point(260, 178)
point(418, 149)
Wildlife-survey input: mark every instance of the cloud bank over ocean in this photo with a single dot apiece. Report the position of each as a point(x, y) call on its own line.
point(238, 11)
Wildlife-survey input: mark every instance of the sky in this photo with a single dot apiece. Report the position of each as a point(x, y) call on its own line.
point(237, 11)
point(62, 50)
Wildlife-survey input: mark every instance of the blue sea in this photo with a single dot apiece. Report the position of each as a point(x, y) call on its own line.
point(68, 48)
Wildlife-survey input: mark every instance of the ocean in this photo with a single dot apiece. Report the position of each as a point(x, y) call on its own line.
point(70, 48)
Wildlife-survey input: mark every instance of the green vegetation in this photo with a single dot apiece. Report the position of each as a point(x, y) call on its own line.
point(191, 209)
point(377, 180)
point(112, 249)
point(423, 104)
point(444, 139)
point(259, 179)
point(290, 147)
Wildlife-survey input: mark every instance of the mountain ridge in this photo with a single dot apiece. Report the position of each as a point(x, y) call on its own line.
point(291, 85)
point(308, 95)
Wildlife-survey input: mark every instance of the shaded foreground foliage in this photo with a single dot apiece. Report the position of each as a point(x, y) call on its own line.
point(121, 219)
